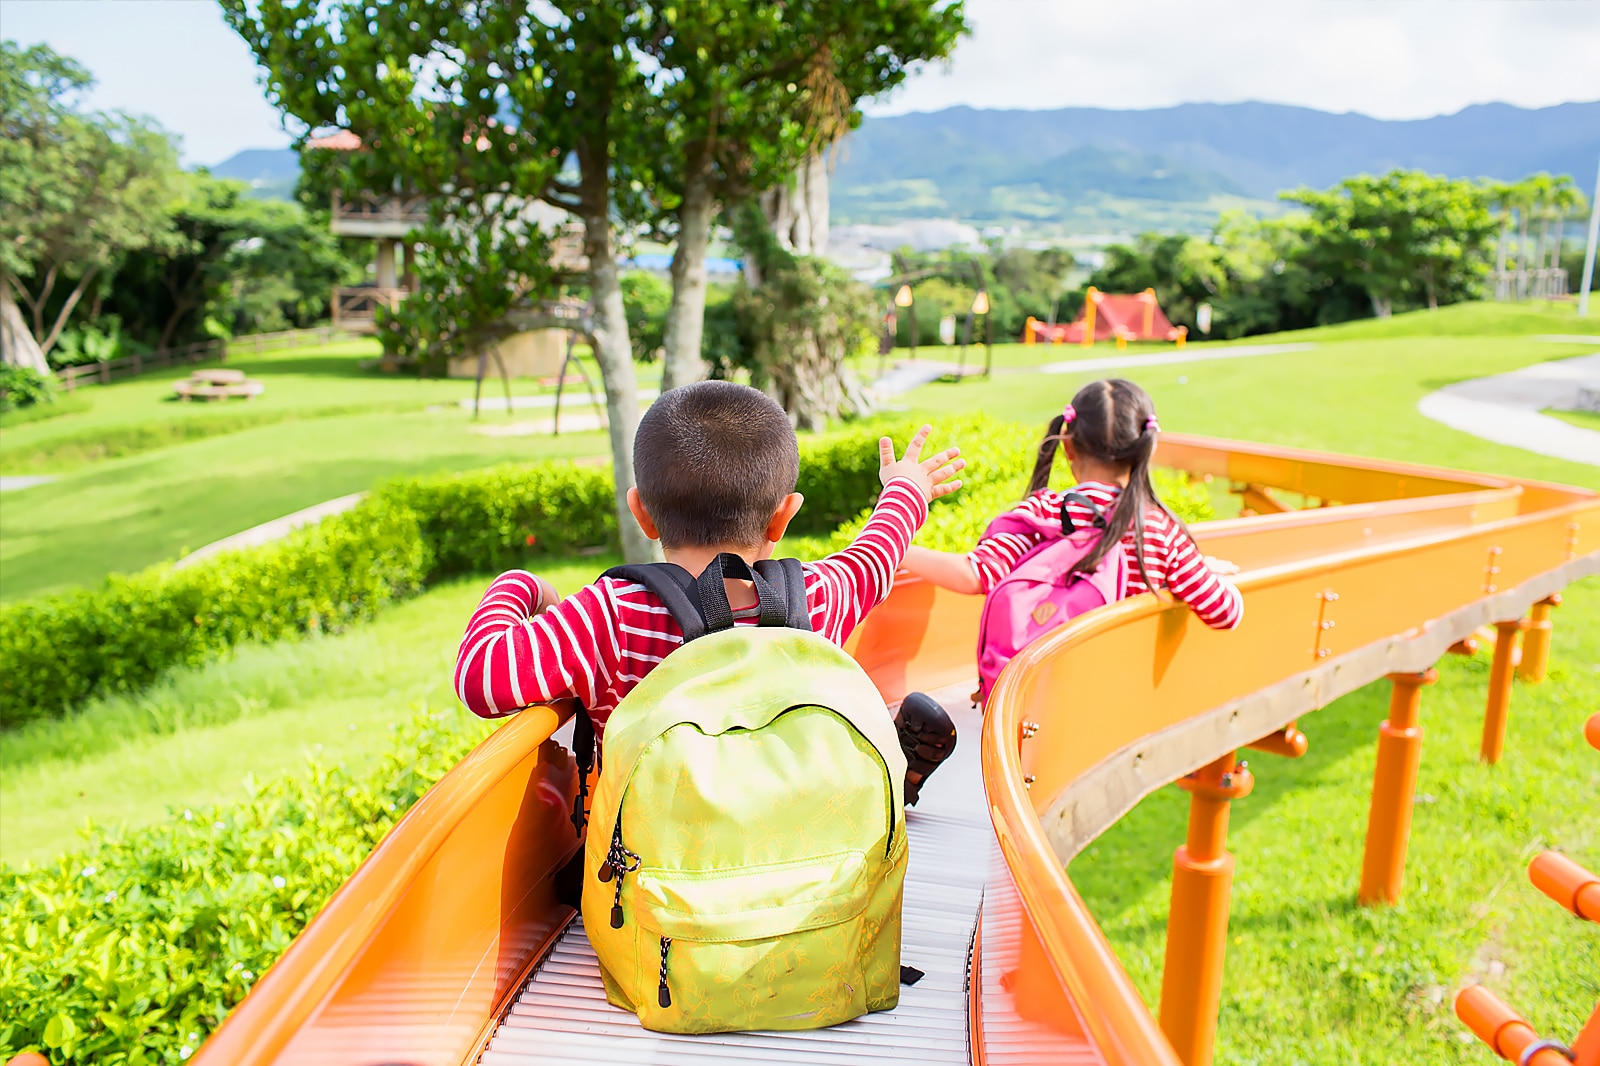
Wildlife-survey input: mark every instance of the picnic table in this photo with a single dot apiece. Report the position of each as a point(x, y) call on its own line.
point(218, 383)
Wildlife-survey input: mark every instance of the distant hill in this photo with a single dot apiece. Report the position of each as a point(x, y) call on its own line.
point(271, 172)
point(1077, 169)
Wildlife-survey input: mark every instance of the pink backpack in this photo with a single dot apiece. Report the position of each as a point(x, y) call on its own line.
point(1039, 593)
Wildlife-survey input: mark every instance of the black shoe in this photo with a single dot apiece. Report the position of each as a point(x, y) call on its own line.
point(927, 737)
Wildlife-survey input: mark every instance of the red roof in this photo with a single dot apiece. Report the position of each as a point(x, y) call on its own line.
point(339, 141)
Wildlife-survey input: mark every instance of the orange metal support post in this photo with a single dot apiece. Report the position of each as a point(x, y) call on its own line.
point(1499, 705)
point(1536, 641)
point(1090, 306)
point(1197, 924)
point(1394, 783)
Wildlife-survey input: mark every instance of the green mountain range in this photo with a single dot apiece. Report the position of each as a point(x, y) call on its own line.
point(1086, 170)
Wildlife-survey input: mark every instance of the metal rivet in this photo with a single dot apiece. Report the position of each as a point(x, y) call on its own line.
point(1027, 780)
point(1029, 730)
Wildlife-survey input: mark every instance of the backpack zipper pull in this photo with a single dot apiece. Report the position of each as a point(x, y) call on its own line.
point(663, 993)
point(619, 861)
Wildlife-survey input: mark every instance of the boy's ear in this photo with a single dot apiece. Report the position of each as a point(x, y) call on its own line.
point(783, 516)
point(641, 516)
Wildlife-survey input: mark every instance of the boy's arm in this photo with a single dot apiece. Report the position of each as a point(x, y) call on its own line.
point(855, 580)
point(858, 578)
point(521, 648)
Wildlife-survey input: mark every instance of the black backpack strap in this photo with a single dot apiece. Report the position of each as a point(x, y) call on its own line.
point(675, 588)
point(1067, 524)
point(771, 605)
point(700, 605)
point(790, 578)
point(587, 754)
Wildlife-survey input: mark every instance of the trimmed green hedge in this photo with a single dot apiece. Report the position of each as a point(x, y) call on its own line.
point(133, 950)
point(58, 651)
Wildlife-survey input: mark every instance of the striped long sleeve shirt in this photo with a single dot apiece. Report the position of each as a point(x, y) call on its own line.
point(1170, 555)
point(600, 642)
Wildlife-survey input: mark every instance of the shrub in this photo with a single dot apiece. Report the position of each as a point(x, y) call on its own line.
point(490, 520)
point(133, 950)
point(121, 636)
point(22, 386)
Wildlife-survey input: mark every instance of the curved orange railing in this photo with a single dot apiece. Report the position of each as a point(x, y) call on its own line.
point(1069, 746)
point(414, 959)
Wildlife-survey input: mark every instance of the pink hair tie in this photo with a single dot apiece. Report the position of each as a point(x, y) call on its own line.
point(1151, 425)
point(1068, 413)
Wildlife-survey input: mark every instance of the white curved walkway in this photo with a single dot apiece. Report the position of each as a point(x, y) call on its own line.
point(1506, 408)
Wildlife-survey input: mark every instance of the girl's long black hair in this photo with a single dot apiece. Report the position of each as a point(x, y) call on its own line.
point(1115, 423)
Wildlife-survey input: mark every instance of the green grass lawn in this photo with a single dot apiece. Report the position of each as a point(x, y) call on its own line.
point(1310, 978)
point(195, 473)
point(1355, 392)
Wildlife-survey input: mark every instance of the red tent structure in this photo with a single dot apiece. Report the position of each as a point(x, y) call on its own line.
point(1110, 316)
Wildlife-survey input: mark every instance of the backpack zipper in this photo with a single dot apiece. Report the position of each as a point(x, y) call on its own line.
point(619, 862)
point(663, 993)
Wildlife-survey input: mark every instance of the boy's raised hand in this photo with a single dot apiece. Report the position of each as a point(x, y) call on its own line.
point(935, 475)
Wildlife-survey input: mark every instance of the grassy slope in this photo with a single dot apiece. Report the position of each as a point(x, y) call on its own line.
point(121, 514)
point(192, 739)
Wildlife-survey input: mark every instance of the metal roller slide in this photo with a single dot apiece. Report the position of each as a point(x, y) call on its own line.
point(449, 945)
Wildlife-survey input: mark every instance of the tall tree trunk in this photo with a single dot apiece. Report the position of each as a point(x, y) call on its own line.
point(686, 316)
point(798, 211)
point(1382, 307)
point(17, 345)
point(612, 349)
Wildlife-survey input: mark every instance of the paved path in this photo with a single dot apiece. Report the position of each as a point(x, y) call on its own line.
point(12, 484)
point(1201, 354)
point(909, 375)
point(1506, 408)
point(273, 530)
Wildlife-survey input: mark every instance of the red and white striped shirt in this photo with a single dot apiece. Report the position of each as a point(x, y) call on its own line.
point(600, 642)
point(1170, 554)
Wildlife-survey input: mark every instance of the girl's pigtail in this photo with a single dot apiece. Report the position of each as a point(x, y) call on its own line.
point(1048, 447)
point(1137, 500)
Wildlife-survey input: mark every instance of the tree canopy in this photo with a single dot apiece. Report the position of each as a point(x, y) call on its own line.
point(81, 189)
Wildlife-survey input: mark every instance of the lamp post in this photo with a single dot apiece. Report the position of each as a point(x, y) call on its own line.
point(904, 299)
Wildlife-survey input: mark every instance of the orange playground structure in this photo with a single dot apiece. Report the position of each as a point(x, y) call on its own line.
point(1109, 316)
point(450, 944)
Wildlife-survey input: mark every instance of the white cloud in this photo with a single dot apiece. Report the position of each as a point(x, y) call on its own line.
point(1405, 59)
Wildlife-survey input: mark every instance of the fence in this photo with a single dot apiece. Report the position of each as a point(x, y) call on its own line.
point(103, 373)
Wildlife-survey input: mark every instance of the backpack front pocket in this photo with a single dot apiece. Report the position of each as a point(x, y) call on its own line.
point(776, 946)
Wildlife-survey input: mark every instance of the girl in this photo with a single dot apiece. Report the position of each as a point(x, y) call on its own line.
point(1108, 432)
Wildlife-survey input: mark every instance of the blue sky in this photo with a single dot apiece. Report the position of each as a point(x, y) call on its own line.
point(177, 61)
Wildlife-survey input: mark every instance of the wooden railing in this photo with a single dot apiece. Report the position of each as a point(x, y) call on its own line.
point(356, 307)
point(109, 370)
point(369, 207)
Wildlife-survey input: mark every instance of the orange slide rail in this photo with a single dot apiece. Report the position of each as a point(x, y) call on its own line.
point(415, 957)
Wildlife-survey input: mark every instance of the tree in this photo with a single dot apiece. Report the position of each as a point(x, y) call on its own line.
point(1399, 234)
point(233, 264)
point(751, 92)
point(80, 190)
point(478, 106)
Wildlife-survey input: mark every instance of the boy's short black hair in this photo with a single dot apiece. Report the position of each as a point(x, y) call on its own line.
point(713, 460)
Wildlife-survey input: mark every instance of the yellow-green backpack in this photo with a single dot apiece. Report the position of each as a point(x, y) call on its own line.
point(746, 850)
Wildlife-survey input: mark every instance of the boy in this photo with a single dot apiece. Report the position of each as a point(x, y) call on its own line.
point(716, 465)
